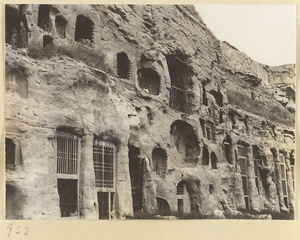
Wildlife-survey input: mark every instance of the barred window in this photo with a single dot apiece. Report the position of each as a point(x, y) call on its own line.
point(67, 153)
point(103, 158)
point(243, 165)
point(178, 75)
point(256, 164)
point(180, 188)
point(283, 177)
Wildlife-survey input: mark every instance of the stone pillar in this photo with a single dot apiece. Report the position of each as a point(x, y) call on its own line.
point(87, 194)
point(253, 194)
point(278, 179)
point(289, 179)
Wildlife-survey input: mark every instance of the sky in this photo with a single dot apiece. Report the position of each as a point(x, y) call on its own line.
point(266, 33)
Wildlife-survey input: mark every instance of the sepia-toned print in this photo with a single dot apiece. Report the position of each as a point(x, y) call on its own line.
point(140, 112)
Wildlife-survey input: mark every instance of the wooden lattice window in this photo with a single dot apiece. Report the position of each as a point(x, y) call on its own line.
point(103, 158)
point(180, 188)
point(293, 171)
point(242, 156)
point(283, 179)
point(67, 153)
point(178, 75)
point(256, 162)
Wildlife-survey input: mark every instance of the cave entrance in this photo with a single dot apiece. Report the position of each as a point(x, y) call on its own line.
point(47, 40)
point(11, 25)
point(44, 20)
point(149, 80)
point(10, 154)
point(123, 65)
point(14, 200)
point(60, 24)
point(214, 160)
point(162, 206)
point(84, 29)
point(218, 97)
point(136, 170)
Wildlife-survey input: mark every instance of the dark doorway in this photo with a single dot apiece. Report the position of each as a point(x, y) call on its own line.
point(84, 29)
point(10, 149)
point(11, 25)
point(47, 40)
point(162, 206)
point(123, 65)
point(180, 205)
point(136, 166)
point(68, 197)
point(149, 80)
point(60, 24)
point(105, 204)
point(44, 20)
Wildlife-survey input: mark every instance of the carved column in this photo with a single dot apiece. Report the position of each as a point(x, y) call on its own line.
point(87, 193)
point(289, 179)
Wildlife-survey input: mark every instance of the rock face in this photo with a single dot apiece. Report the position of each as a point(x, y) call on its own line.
point(114, 111)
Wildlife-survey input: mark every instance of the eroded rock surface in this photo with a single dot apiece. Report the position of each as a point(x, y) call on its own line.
point(135, 109)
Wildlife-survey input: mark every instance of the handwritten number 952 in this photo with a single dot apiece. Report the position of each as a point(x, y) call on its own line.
point(17, 230)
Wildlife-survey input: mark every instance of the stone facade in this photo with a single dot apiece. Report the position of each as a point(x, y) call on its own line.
point(117, 110)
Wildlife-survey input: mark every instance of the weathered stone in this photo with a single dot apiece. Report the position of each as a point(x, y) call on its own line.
point(187, 125)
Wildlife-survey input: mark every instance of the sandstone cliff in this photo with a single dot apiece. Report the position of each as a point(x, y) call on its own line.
point(196, 125)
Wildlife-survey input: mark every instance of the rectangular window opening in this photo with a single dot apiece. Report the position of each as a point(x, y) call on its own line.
point(103, 158)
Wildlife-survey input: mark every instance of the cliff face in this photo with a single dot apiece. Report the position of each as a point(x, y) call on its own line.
point(194, 125)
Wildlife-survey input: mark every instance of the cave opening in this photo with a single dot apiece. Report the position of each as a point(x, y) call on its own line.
point(84, 29)
point(123, 65)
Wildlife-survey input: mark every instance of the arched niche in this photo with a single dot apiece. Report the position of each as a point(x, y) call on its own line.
point(159, 160)
point(185, 140)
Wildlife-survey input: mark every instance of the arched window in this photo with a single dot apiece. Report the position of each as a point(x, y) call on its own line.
point(213, 160)
point(159, 159)
point(205, 157)
point(84, 30)
point(60, 24)
point(186, 141)
point(123, 65)
point(149, 80)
